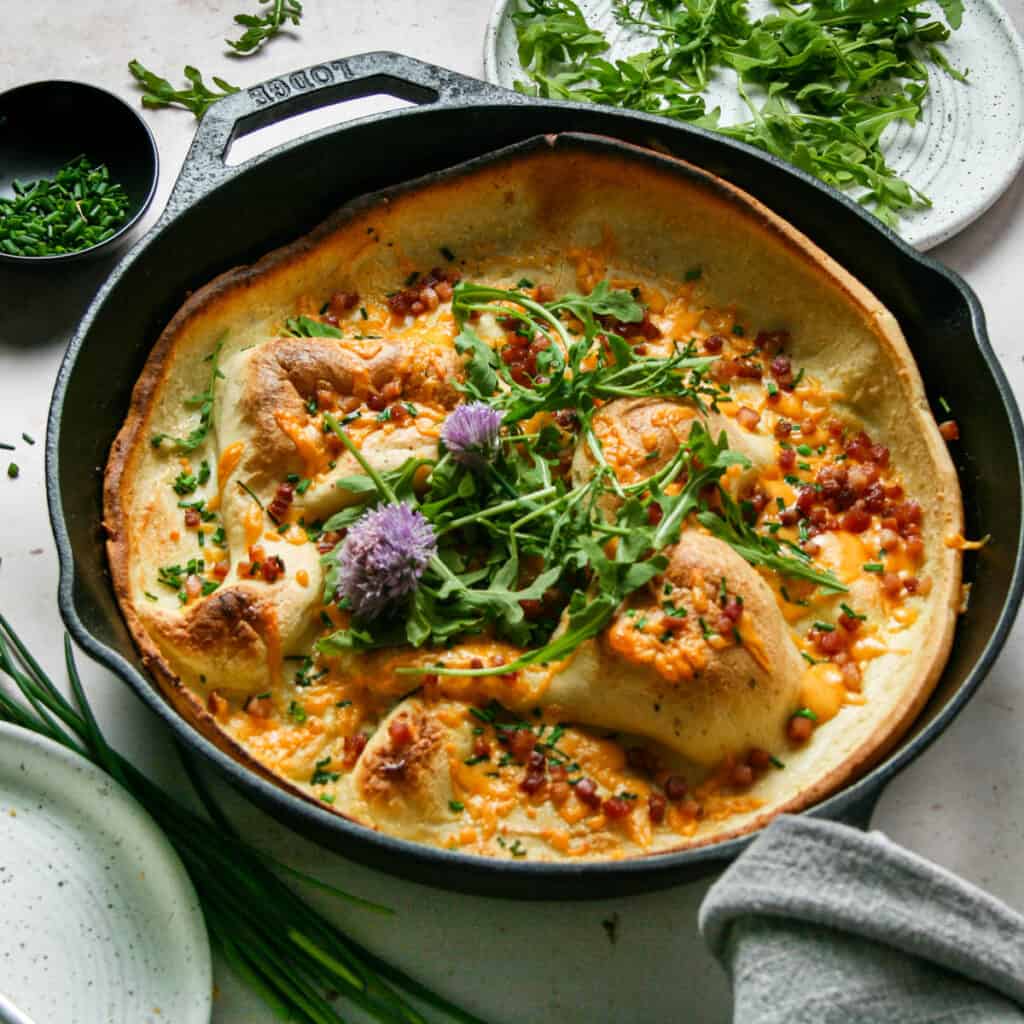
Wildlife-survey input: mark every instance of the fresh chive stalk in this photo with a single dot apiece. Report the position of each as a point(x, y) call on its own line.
point(286, 951)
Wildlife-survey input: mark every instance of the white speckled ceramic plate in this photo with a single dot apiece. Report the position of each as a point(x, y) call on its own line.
point(963, 154)
point(100, 923)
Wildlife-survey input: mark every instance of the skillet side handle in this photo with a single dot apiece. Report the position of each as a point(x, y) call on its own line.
point(320, 85)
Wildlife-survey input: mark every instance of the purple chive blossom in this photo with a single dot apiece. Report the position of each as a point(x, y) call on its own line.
point(470, 433)
point(382, 558)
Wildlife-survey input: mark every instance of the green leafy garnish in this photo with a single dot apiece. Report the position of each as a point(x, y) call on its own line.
point(197, 97)
point(78, 208)
point(834, 74)
point(761, 549)
point(307, 327)
point(204, 403)
point(260, 29)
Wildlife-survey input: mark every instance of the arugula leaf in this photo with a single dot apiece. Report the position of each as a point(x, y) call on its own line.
point(602, 301)
point(198, 98)
point(482, 380)
point(307, 327)
point(836, 73)
point(259, 30)
point(759, 549)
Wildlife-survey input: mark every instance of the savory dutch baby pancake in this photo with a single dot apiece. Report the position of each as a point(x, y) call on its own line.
point(566, 504)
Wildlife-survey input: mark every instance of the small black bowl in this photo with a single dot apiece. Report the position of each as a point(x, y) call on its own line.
point(43, 125)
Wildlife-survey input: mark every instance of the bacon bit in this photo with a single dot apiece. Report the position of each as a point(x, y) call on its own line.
point(327, 541)
point(656, 805)
point(829, 642)
point(674, 623)
point(782, 371)
point(272, 568)
point(192, 518)
point(787, 459)
point(759, 759)
point(586, 792)
point(675, 788)
point(892, 585)
point(283, 497)
point(714, 344)
point(193, 587)
point(857, 520)
point(558, 786)
point(771, 341)
point(343, 302)
point(747, 418)
point(352, 747)
point(799, 730)
point(655, 513)
point(400, 732)
point(481, 747)
point(616, 808)
point(216, 704)
point(221, 570)
point(431, 689)
point(521, 744)
point(376, 402)
point(536, 767)
point(258, 707)
point(691, 809)
point(424, 293)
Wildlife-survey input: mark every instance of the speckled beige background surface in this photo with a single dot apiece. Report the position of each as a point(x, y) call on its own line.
point(961, 804)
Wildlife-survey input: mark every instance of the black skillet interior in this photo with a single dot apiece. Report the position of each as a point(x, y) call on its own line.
point(220, 217)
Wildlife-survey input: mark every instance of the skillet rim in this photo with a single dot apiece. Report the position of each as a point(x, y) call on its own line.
point(451, 869)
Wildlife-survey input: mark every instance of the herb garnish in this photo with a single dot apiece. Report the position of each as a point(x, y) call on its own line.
point(204, 403)
point(292, 956)
point(836, 73)
point(78, 208)
point(259, 30)
point(504, 510)
point(197, 96)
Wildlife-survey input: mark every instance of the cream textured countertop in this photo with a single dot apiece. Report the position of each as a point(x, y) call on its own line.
point(960, 804)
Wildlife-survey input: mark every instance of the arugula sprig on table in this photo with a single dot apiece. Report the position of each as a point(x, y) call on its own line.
point(519, 531)
point(197, 96)
point(835, 74)
point(261, 28)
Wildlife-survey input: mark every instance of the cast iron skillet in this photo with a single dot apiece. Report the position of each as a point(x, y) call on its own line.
point(219, 217)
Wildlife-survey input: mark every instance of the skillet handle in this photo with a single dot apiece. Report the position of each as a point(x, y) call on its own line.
point(365, 74)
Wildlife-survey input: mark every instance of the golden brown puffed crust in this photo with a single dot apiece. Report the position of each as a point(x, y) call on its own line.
point(757, 261)
point(284, 374)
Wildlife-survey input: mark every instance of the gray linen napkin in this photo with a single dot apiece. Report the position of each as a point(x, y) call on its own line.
point(822, 922)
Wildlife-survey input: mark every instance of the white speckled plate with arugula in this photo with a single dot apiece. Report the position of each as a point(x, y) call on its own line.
point(963, 153)
point(100, 920)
